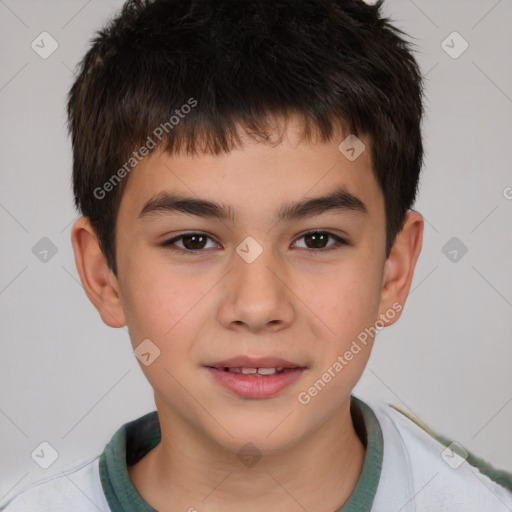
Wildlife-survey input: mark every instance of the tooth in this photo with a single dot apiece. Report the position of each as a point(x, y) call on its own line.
point(248, 371)
point(280, 368)
point(267, 371)
point(234, 370)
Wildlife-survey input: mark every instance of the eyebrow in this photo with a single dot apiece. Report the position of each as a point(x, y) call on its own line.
point(340, 200)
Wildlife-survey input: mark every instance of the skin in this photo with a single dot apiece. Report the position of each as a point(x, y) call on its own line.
point(292, 302)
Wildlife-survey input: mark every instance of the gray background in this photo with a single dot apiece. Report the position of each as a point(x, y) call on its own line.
point(71, 381)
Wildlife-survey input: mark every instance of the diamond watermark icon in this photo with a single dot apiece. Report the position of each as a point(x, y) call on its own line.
point(44, 455)
point(454, 455)
point(454, 45)
point(249, 250)
point(352, 147)
point(454, 250)
point(249, 455)
point(44, 45)
point(44, 250)
point(146, 352)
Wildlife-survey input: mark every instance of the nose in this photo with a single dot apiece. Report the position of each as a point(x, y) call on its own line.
point(257, 296)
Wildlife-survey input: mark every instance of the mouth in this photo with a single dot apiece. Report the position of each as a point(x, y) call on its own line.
point(256, 377)
point(255, 372)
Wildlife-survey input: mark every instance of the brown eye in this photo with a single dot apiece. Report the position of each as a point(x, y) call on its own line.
point(316, 240)
point(320, 240)
point(190, 242)
point(194, 242)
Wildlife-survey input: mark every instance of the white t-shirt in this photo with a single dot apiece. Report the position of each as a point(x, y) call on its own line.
point(406, 469)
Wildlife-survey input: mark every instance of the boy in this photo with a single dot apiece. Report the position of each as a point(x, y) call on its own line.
point(246, 172)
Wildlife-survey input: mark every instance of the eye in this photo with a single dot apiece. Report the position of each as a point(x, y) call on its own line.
point(197, 242)
point(318, 240)
point(190, 242)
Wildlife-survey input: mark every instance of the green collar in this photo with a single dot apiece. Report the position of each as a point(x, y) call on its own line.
point(136, 438)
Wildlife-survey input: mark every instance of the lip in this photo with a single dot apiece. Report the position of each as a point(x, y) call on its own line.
point(249, 386)
point(255, 362)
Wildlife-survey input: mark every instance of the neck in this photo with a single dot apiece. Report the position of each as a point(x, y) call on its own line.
point(186, 472)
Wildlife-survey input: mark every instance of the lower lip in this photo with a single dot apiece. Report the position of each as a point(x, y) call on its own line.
point(249, 386)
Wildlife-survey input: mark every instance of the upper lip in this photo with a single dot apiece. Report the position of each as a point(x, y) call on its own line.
point(255, 362)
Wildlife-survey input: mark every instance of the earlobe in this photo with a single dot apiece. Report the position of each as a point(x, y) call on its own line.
point(98, 281)
point(400, 265)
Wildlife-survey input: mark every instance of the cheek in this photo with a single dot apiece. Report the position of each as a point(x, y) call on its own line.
point(349, 307)
point(160, 307)
point(347, 299)
point(157, 300)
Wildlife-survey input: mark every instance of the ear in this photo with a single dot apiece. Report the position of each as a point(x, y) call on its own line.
point(399, 268)
point(99, 282)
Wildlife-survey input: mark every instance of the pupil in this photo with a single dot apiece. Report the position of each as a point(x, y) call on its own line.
point(317, 240)
point(194, 242)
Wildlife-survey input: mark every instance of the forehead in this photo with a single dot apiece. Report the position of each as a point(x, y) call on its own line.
point(257, 179)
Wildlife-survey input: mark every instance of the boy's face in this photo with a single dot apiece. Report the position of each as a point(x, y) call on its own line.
point(227, 300)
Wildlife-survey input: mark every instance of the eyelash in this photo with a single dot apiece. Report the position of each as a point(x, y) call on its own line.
point(339, 242)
